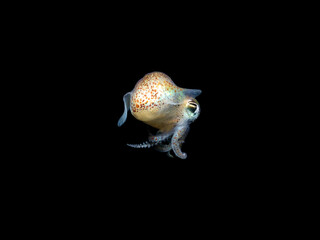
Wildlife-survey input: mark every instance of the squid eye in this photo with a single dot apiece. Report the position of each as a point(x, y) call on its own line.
point(192, 106)
point(192, 109)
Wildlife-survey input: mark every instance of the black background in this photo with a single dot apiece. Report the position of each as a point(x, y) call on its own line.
point(92, 75)
point(88, 62)
point(78, 65)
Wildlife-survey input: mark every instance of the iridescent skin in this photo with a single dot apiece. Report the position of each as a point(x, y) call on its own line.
point(158, 102)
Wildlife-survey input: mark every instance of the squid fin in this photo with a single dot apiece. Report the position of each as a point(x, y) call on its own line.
point(126, 100)
point(192, 92)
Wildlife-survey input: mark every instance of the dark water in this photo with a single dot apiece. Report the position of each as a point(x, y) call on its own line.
point(82, 75)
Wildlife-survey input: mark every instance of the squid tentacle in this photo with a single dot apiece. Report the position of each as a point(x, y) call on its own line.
point(163, 147)
point(160, 137)
point(159, 142)
point(154, 141)
point(177, 140)
point(141, 145)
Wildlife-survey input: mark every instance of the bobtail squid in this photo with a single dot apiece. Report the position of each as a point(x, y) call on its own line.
point(158, 102)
